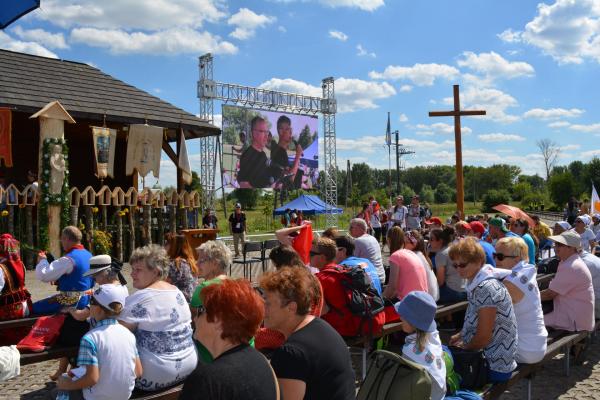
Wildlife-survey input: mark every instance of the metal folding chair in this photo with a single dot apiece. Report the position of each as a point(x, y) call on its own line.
point(247, 260)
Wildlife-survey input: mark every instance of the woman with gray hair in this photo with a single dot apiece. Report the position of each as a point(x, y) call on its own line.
point(161, 320)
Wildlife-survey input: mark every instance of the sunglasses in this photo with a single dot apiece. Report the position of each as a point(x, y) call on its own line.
point(199, 311)
point(501, 257)
point(461, 266)
point(314, 253)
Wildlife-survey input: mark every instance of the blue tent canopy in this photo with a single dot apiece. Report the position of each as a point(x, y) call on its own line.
point(10, 11)
point(309, 205)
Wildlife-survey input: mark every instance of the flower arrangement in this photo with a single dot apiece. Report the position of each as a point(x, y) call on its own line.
point(102, 242)
point(47, 198)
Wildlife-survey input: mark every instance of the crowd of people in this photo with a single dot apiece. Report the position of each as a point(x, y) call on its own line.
point(189, 322)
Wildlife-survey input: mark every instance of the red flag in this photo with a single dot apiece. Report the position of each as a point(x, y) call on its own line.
point(303, 242)
point(6, 136)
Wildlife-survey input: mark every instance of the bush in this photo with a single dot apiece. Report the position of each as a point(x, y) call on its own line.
point(493, 198)
point(444, 193)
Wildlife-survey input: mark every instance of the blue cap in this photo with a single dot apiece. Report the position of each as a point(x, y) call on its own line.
point(418, 309)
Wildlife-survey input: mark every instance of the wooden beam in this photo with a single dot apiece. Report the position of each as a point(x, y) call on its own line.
point(167, 149)
point(179, 171)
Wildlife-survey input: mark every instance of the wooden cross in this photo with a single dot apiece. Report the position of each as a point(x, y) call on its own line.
point(457, 113)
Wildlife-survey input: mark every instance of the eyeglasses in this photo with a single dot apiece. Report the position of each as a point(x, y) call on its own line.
point(199, 311)
point(557, 244)
point(461, 266)
point(578, 221)
point(501, 257)
point(202, 260)
point(314, 253)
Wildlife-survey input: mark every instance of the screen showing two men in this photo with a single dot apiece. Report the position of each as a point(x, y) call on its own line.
point(267, 149)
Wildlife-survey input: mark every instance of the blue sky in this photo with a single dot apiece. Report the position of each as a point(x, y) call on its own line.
point(533, 66)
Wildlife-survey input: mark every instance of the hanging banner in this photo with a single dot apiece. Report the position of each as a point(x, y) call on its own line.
point(105, 141)
point(144, 145)
point(6, 136)
point(184, 161)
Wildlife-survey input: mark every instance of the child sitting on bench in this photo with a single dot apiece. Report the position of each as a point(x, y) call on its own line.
point(107, 352)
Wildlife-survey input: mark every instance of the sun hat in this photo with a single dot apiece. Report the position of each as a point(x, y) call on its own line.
point(98, 263)
point(568, 238)
point(106, 294)
point(238, 205)
point(564, 224)
point(585, 219)
point(418, 309)
point(498, 223)
point(477, 226)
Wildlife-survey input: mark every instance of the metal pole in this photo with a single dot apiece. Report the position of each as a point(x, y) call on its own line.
point(397, 165)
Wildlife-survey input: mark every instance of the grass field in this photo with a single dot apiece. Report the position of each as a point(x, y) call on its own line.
point(257, 222)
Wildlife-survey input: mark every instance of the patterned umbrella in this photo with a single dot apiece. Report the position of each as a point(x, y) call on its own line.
point(12, 10)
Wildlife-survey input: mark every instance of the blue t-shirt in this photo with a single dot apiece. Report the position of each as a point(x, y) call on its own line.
point(355, 261)
point(530, 247)
point(489, 252)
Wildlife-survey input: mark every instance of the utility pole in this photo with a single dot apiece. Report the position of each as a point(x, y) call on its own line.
point(400, 151)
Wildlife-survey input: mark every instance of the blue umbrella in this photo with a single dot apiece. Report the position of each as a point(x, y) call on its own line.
point(12, 10)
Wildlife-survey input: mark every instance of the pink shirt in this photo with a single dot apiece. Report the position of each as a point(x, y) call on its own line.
point(411, 274)
point(574, 305)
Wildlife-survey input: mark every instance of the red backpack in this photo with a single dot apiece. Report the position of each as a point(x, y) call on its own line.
point(363, 314)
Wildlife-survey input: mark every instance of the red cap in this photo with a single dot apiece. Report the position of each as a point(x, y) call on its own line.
point(434, 220)
point(478, 227)
point(465, 225)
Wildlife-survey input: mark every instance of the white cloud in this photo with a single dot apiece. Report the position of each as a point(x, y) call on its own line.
point(590, 154)
point(558, 124)
point(171, 41)
point(591, 128)
point(131, 14)
point(494, 66)
point(495, 102)
point(352, 94)
point(566, 30)
point(419, 74)
point(338, 35)
point(553, 113)
point(405, 88)
point(361, 52)
point(44, 38)
point(157, 90)
point(530, 163)
point(246, 23)
point(365, 5)
point(510, 36)
point(500, 137)
point(439, 128)
point(569, 147)
point(371, 144)
point(9, 43)
point(403, 118)
point(281, 29)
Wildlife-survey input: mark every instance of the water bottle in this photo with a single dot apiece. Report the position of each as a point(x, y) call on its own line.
point(62, 395)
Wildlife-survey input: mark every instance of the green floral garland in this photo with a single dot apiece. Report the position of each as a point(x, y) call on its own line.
point(46, 198)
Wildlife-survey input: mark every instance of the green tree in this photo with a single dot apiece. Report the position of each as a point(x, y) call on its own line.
point(520, 190)
point(427, 194)
point(306, 138)
point(362, 178)
point(561, 187)
point(443, 193)
point(493, 198)
point(248, 198)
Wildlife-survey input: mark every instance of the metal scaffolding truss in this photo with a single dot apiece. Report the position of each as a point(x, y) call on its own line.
point(209, 90)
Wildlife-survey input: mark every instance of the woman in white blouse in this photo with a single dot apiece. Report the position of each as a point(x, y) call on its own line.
point(160, 318)
point(511, 254)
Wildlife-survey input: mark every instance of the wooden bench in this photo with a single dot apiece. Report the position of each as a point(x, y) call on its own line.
point(557, 341)
point(18, 323)
point(171, 393)
point(51, 354)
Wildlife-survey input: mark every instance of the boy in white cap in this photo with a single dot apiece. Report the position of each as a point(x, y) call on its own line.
point(104, 270)
point(423, 345)
point(108, 352)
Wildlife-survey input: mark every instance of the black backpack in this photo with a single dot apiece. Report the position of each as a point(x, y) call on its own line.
point(363, 299)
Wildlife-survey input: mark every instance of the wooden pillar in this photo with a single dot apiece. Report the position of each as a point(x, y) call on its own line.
point(118, 251)
point(52, 119)
point(460, 187)
point(146, 227)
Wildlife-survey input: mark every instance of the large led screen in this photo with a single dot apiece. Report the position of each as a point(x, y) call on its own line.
point(268, 149)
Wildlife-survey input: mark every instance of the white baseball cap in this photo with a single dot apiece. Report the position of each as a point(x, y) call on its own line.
point(109, 293)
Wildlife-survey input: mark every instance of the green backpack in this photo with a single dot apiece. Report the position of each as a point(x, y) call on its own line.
point(391, 376)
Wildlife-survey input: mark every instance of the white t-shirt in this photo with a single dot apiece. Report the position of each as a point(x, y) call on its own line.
point(399, 216)
point(432, 283)
point(431, 358)
point(376, 220)
point(531, 331)
point(164, 336)
point(586, 236)
point(115, 354)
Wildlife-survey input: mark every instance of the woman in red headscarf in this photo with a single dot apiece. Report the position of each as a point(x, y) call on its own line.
point(15, 300)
